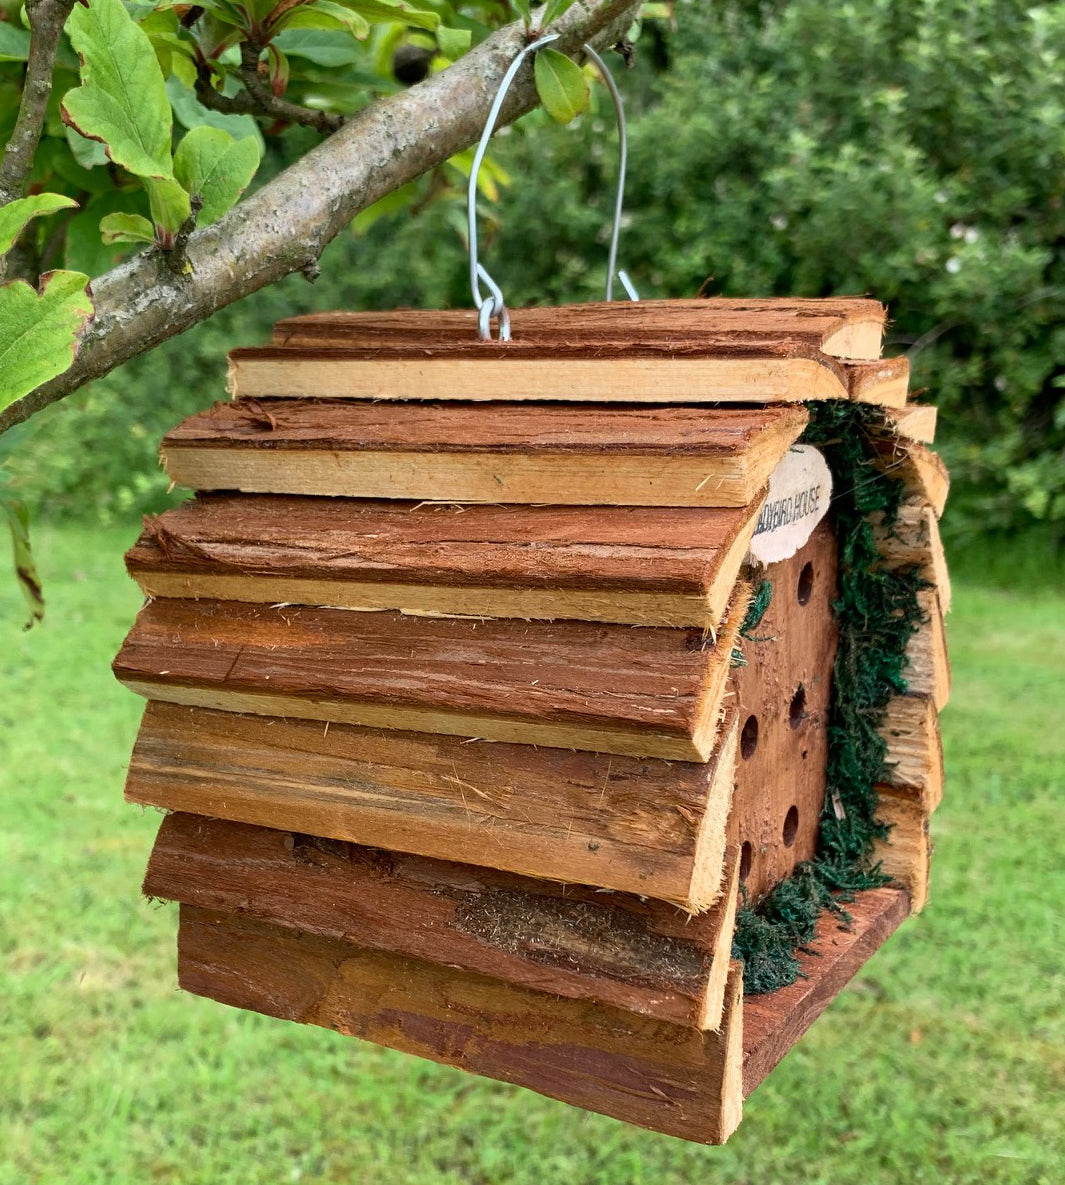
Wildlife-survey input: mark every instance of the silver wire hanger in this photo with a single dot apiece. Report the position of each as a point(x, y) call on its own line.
point(493, 304)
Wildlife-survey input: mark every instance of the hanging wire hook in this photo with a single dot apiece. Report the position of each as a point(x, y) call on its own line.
point(477, 270)
point(619, 201)
point(493, 305)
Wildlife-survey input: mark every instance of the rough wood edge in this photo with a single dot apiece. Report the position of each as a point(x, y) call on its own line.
point(885, 382)
point(775, 1022)
point(914, 421)
point(593, 1056)
point(906, 854)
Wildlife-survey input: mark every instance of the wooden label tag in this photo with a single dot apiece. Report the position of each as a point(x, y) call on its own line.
point(800, 490)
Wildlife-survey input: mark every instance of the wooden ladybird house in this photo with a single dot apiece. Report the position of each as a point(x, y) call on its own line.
point(485, 733)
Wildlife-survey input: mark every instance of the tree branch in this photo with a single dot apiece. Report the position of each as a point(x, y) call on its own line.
point(270, 104)
point(285, 225)
point(47, 18)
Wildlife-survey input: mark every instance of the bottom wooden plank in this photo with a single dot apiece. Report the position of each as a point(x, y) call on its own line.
point(640, 955)
point(666, 1077)
point(774, 1022)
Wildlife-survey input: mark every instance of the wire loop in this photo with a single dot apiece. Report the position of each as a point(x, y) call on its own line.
point(493, 302)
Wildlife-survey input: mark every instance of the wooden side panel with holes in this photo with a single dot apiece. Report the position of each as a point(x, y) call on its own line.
point(655, 828)
point(643, 956)
point(671, 1078)
point(782, 696)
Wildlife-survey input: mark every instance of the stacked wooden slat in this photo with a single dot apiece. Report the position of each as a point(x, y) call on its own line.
point(443, 696)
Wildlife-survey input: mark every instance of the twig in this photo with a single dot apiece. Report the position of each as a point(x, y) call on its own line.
point(177, 257)
point(47, 18)
point(270, 104)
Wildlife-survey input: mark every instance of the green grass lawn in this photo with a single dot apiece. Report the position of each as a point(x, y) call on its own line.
point(943, 1062)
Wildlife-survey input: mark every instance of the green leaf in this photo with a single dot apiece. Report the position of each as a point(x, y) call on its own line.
point(209, 162)
point(561, 85)
point(90, 154)
point(14, 43)
point(39, 330)
point(18, 524)
point(524, 9)
point(15, 215)
point(170, 207)
point(325, 44)
point(453, 43)
point(325, 15)
point(126, 228)
point(191, 113)
point(122, 99)
point(83, 250)
point(395, 10)
point(552, 10)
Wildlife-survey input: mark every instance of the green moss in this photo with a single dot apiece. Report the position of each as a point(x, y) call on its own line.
point(877, 612)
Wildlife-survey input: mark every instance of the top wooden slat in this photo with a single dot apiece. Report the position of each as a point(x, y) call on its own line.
point(689, 351)
point(842, 327)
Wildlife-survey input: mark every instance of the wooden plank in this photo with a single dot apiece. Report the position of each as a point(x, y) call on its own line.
point(636, 565)
point(461, 453)
point(885, 381)
point(927, 669)
point(653, 828)
point(843, 327)
point(914, 748)
point(610, 688)
point(915, 421)
point(906, 854)
point(670, 1078)
point(503, 372)
point(915, 541)
point(642, 956)
point(774, 1022)
point(782, 695)
point(923, 472)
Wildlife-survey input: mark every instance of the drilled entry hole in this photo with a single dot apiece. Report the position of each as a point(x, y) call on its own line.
point(804, 590)
point(746, 860)
point(749, 737)
point(797, 708)
point(791, 826)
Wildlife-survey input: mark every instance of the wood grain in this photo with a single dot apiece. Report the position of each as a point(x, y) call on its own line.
point(611, 688)
point(844, 327)
point(785, 689)
point(678, 456)
point(906, 854)
point(653, 828)
point(914, 748)
point(914, 541)
point(635, 565)
point(915, 421)
point(670, 1078)
point(643, 956)
point(927, 669)
point(885, 382)
point(774, 1022)
point(921, 470)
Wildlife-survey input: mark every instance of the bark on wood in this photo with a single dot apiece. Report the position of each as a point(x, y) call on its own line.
point(843, 327)
point(641, 566)
point(611, 688)
point(284, 226)
point(654, 828)
point(669, 1078)
point(782, 697)
point(773, 1023)
point(510, 453)
point(643, 956)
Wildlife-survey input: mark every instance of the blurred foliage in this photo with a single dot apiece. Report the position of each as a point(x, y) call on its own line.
point(910, 150)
